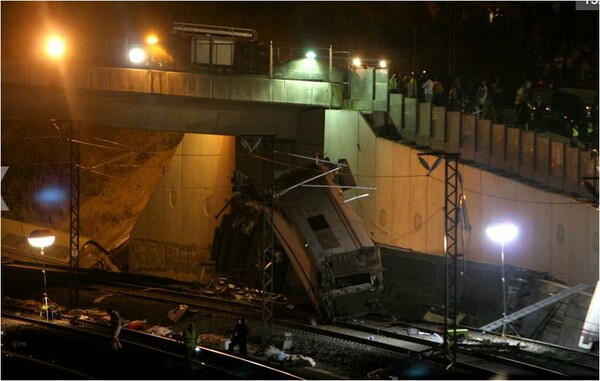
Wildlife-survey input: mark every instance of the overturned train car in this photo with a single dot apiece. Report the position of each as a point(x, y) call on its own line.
point(331, 253)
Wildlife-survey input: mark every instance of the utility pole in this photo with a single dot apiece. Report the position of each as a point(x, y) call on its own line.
point(74, 196)
point(267, 263)
point(452, 39)
point(414, 52)
point(267, 241)
point(452, 213)
point(451, 221)
point(414, 63)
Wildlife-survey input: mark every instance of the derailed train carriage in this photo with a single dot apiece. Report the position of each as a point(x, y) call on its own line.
point(327, 248)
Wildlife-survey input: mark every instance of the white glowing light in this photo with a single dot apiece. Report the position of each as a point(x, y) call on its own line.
point(55, 47)
point(41, 238)
point(502, 232)
point(137, 55)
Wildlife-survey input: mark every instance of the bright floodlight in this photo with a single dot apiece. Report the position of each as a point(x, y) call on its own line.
point(310, 55)
point(55, 47)
point(356, 62)
point(502, 232)
point(137, 55)
point(41, 238)
point(383, 64)
point(152, 39)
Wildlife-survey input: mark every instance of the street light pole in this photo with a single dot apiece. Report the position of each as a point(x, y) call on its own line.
point(42, 238)
point(503, 294)
point(501, 233)
point(45, 284)
point(414, 63)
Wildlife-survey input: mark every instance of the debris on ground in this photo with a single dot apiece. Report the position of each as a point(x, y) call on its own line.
point(276, 354)
point(214, 341)
point(177, 313)
point(101, 298)
point(138, 325)
point(52, 311)
point(161, 331)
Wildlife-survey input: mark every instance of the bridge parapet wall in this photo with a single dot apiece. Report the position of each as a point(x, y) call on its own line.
point(225, 87)
point(543, 159)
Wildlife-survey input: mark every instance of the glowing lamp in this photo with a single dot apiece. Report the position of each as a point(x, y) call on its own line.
point(356, 62)
point(41, 238)
point(310, 55)
point(152, 39)
point(502, 232)
point(55, 47)
point(137, 55)
point(383, 64)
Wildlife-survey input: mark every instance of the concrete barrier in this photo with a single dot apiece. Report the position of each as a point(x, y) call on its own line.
point(438, 128)
point(409, 133)
point(483, 137)
point(527, 155)
point(557, 164)
point(513, 149)
point(541, 169)
point(498, 146)
point(453, 119)
point(467, 137)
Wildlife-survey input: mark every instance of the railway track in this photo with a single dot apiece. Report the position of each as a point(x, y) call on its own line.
point(377, 338)
point(78, 350)
point(542, 359)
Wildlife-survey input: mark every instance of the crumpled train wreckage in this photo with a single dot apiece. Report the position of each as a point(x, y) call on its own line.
point(329, 256)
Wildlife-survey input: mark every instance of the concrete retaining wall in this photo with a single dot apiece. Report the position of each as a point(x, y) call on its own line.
point(558, 234)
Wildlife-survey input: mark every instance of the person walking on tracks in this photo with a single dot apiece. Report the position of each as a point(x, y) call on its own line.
point(115, 329)
point(240, 336)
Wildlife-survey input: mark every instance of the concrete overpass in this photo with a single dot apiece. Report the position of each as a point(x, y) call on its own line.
point(560, 233)
point(162, 100)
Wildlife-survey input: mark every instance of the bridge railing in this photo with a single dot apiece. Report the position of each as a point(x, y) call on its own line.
point(551, 162)
point(152, 81)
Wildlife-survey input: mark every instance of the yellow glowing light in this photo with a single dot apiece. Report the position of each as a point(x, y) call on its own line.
point(356, 62)
point(152, 40)
point(383, 64)
point(55, 47)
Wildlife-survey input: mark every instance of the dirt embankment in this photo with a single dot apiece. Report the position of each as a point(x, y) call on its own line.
point(119, 169)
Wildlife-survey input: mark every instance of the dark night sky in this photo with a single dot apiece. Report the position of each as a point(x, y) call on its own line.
point(377, 29)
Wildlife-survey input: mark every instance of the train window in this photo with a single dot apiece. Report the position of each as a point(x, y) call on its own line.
point(318, 222)
point(324, 234)
point(352, 280)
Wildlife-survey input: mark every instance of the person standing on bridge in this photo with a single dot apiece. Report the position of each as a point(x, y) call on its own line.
point(428, 90)
point(393, 83)
point(523, 105)
point(115, 329)
point(240, 336)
